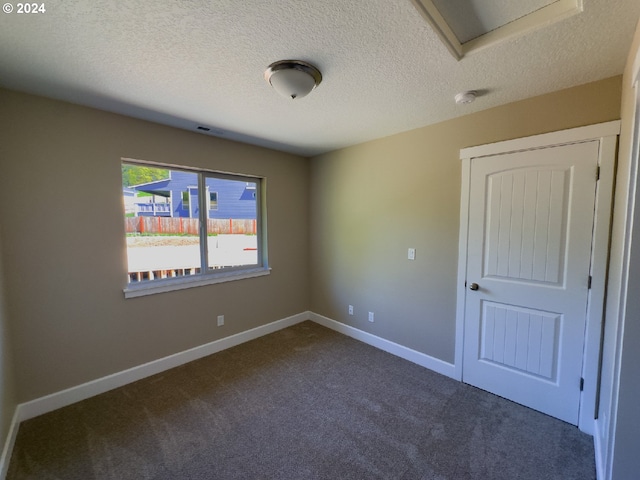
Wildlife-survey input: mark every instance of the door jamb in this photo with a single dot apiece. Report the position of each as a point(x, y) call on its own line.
point(607, 136)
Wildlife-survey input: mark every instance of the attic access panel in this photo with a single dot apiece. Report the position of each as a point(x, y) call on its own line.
point(465, 26)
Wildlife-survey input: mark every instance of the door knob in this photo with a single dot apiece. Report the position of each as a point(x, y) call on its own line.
point(474, 286)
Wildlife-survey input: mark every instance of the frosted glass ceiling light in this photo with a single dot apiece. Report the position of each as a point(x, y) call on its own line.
point(293, 78)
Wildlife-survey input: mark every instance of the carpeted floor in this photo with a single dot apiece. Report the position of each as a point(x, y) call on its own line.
point(302, 403)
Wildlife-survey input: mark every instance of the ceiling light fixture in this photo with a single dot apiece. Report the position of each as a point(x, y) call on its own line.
point(293, 78)
point(466, 97)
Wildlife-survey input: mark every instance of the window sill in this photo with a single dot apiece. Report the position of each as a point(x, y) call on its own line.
point(161, 286)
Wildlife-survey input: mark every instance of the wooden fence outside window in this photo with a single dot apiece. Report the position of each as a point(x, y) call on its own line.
point(189, 226)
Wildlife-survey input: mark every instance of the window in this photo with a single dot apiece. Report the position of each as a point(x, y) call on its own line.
point(201, 239)
point(185, 200)
point(213, 200)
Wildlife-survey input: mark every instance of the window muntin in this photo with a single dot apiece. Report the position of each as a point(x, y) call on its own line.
point(194, 240)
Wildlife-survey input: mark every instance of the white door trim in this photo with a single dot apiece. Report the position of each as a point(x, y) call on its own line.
point(606, 134)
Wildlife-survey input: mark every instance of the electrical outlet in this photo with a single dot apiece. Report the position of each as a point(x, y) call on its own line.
point(371, 316)
point(350, 309)
point(220, 320)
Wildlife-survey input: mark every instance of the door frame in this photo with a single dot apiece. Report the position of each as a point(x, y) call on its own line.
point(607, 136)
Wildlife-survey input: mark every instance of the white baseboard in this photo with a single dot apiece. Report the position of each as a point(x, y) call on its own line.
point(49, 403)
point(422, 359)
point(8, 445)
point(75, 394)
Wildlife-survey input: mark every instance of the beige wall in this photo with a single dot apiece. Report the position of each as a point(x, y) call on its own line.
point(64, 246)
point(7, 390)
point(370, 202)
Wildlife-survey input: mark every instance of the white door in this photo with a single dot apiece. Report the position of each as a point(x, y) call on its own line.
point(528, 259)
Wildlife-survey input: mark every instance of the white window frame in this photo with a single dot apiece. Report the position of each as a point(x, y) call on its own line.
point(207, 276)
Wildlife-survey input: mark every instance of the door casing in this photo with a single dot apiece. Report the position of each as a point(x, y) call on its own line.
point(607, 135)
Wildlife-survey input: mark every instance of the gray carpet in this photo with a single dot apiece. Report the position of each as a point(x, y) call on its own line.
point(302, 403)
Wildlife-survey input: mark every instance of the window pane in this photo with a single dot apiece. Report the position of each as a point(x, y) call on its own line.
point(163, 237)
point(185, 201)
point(213, 200)
point(232, 226)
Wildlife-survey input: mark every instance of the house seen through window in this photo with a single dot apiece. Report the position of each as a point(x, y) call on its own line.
point(183, 223)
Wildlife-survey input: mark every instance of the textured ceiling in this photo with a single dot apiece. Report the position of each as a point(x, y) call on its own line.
point(195, 62)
